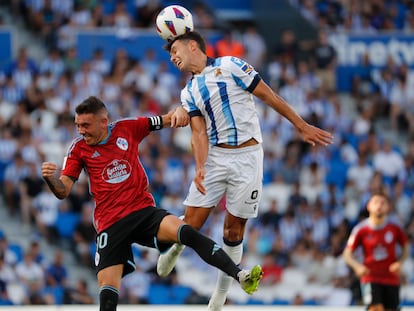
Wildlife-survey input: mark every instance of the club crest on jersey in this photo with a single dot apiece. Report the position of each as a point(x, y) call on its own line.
point(218, 72)
point(388, 237)
point(122, 143)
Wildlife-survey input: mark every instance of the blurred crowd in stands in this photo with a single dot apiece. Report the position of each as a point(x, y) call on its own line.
point(358, 16)
point(312, 196)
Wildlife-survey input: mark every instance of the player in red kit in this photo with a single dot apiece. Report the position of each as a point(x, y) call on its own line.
point(385, 247)
point(125, 211)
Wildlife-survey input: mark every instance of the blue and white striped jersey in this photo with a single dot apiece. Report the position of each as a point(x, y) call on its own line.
point(221, 93)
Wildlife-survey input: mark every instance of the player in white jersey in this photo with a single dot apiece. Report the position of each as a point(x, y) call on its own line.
point(226, 141)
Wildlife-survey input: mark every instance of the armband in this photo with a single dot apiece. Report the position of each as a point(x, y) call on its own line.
point(254, 83)
point(155, 123)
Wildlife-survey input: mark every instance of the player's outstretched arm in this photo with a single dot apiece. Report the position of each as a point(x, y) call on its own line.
point(314, 135)
point(310, 134)
point(61, 186)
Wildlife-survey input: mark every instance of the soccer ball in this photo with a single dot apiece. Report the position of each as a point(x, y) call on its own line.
point(173, 21)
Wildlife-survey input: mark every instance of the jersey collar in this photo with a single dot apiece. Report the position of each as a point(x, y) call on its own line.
point(107, 137)
point(210, 61)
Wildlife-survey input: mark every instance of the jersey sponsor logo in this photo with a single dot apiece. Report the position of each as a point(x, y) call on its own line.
point(380, 253)
point(122, 143)
point(116, 172)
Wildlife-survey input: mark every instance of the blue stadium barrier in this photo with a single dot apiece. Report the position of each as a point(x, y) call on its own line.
point(136, 43)
point(173, 295)
point(6, 47)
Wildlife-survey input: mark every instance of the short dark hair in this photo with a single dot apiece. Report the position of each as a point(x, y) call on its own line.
point(90, 105)
point(192, 35)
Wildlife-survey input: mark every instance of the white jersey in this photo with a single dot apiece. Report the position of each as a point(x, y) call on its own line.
point(221, 93)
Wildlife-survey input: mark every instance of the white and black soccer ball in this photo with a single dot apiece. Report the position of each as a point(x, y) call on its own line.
point(173, 21)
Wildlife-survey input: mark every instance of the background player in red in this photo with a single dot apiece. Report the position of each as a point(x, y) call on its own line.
point(385, 247)
point(125, 211)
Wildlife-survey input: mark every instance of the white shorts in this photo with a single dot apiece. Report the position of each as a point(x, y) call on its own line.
point(236, 172)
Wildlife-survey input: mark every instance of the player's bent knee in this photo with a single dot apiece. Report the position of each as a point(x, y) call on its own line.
point(168, 229)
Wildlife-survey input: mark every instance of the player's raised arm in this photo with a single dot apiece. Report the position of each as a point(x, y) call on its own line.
point(310, 134)
point(61, 186)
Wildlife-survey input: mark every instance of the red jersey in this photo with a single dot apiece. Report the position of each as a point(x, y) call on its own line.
point(117, 180)
point(379, 246)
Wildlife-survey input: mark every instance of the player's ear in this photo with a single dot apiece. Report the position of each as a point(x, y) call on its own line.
point(193, 45)
point(104, 119)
